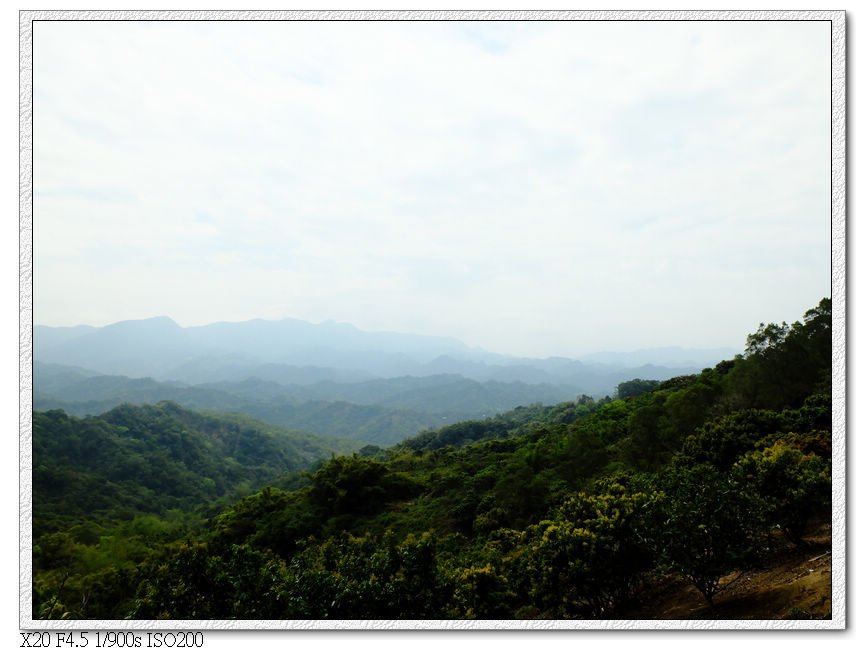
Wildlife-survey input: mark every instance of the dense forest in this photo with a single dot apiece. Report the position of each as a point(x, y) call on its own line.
point(378, 411)
point(563, 511)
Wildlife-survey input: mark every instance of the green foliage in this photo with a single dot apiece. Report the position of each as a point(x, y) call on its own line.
point(707, 524)
point(794, 482)
point(270, 519)
point(722, 441)
point(635, 387)
point(589, 557)
point(354, 485)
point(378, 411)
point(647, 447)
point(200, 581)
point(153, 459)
point(348, 577)
point(481, 592)
point(110, 491)
point(784, 364)
point(520, 421)
point(541, 512)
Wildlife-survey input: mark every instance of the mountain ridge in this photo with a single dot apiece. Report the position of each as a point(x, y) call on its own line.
point(160, 348)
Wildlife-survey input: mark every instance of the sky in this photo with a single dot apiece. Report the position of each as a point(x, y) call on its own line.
point(532, 188)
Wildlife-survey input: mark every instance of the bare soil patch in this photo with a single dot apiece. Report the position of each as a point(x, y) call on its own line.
point(791, 582)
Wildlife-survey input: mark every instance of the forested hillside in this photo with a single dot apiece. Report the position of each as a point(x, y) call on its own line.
point(567, 511)
point(160, 457)
point(113, 488)
point(379, 411)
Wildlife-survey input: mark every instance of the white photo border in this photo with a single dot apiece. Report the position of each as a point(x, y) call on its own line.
point(837, 19)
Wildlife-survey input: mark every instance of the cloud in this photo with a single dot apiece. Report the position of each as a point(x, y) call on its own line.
point(524, 186)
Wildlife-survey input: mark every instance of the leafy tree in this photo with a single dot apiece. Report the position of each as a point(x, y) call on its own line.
point(635, 387)
point(723, 440)
point(481, 593)
point(270, 519)
point(707, 524)
point(647, 447)
point(201, 581)
point(687, 409)
point(354, 485)
point(784, 364)
point(588, 558)
point(794, 482)
point(367, 577)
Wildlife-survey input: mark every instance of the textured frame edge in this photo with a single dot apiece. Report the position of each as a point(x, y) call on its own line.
point(837, 21)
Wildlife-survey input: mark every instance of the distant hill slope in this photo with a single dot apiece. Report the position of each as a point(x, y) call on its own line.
point(520, 421)
point(157, 346)
point(157, 457)
point(299, 353)
point(380, 411)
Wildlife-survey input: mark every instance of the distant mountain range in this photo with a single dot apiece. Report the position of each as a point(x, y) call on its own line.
point(295, 351)
point(327, 378)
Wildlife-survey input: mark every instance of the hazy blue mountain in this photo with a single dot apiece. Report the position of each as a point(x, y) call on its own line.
point(291, 339)
point(452, 396)
point(44, 337)
point(160, 348)
point(136, 348)
point(52, 385)
point(337, 362)
point(53, 376)
point(226, 369)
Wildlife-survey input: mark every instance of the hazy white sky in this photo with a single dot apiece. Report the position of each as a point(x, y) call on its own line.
point(531, 188)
